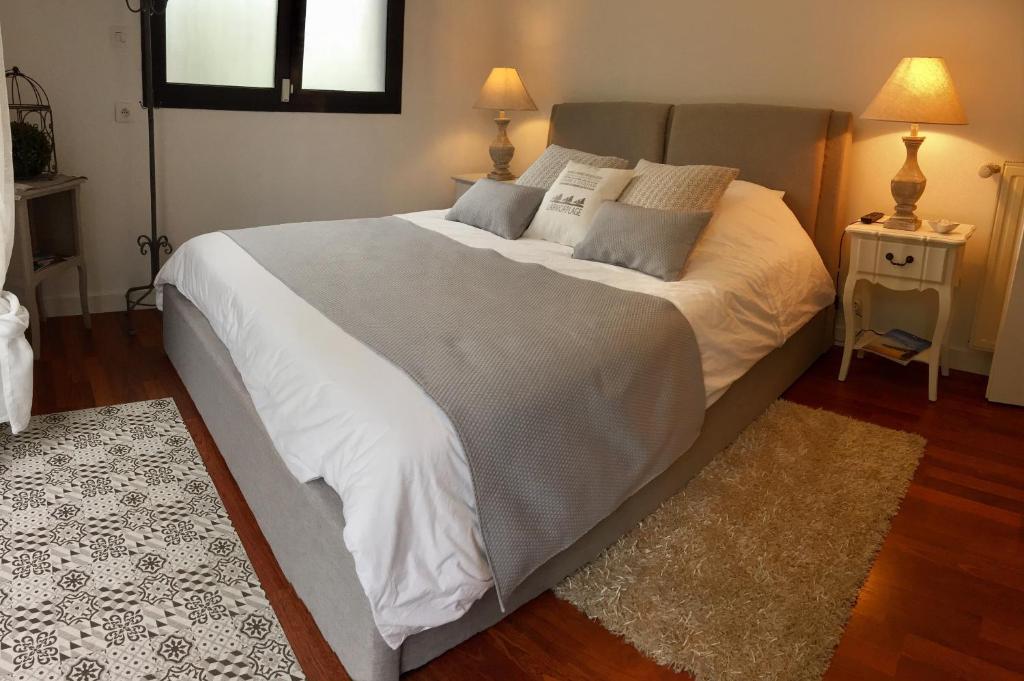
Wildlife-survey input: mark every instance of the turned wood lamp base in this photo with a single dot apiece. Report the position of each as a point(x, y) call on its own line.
point(908, 186)
point(501, 150)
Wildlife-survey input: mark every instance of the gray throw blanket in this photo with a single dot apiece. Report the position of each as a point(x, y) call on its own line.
point(567, 395)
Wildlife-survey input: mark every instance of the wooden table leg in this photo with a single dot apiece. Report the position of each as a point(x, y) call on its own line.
point(20, 275)
point(865, 311)
point(40, 304)
point(83, 282)
point(83, 294)
point(35, 323)
point(938, 341)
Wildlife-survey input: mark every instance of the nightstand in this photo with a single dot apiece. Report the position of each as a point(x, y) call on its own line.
point(904, 261)
point(47, 243)
point(464, 182)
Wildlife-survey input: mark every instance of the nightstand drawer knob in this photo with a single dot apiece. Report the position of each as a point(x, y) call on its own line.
point(908, 260)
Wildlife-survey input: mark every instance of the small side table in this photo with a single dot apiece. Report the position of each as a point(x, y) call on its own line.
point(464, 182)
point(904, 261)
point(47, 243)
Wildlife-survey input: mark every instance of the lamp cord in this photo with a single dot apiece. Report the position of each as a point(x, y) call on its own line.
point(839, 267)
point(155, 6)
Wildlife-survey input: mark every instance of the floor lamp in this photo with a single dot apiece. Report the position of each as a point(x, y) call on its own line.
point(149, 244)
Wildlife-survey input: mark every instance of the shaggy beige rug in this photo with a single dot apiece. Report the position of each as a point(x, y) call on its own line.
point(752, 570)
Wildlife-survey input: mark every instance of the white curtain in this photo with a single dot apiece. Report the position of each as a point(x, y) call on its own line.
point(15, 352)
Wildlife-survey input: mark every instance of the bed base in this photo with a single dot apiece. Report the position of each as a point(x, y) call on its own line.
point(303, 522)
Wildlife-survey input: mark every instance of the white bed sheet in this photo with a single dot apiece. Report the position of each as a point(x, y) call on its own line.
point(336, 410)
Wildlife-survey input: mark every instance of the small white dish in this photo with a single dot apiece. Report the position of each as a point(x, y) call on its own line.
point(942, 226)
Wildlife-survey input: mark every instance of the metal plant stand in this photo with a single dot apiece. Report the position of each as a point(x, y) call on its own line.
point(153, 243)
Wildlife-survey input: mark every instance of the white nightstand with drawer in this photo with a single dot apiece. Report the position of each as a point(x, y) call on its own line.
point(464, 182)
point(904, 261)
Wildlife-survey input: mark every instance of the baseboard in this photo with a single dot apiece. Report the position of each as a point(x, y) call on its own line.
point(67, 306)
point(971, 360)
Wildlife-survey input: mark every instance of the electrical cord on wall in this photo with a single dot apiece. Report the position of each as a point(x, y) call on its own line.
point(839, 267)
point(156, 6)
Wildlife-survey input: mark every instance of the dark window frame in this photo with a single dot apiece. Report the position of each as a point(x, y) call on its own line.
point(291, 21)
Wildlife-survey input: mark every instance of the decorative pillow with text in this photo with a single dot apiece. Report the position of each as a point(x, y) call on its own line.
point(569, 206)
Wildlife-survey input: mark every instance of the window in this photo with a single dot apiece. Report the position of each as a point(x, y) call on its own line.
point(280, 55)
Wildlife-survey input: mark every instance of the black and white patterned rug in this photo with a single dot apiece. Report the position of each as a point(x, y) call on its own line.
point(118, 560)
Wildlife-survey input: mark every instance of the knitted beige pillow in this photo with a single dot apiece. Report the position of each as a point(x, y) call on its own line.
point(544, 171)
point(677, 187)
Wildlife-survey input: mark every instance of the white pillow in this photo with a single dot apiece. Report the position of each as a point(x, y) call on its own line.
point(744, 188)
point(569, 206)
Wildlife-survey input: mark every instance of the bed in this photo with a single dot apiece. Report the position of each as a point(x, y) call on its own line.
point(798, 151)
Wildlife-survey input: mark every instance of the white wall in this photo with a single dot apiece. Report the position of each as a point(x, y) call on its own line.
point(222, 169)
point(228, 169)
point(822, 53)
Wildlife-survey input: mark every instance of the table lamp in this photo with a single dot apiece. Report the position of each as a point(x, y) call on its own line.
point(920, 90)
point(503, 91)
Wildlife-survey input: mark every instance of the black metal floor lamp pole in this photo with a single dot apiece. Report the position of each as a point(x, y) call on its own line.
point(149, 244)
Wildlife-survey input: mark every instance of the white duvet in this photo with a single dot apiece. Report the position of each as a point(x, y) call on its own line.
point(336, 410)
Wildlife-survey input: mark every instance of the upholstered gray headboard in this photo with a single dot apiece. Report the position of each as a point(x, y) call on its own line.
point(630, 130)
point(800, 151)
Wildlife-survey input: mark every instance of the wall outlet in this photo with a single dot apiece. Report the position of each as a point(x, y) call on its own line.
point(124, 112)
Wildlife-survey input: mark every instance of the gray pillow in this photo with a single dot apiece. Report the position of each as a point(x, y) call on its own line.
point(545, 170)
point(657, 185)
point(649, 240)
point(499, 207)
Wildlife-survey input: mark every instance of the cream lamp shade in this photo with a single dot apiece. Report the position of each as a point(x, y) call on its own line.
point(920, 90)
point(503, 91)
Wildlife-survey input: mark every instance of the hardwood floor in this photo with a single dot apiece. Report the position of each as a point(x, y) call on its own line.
point(945, 599)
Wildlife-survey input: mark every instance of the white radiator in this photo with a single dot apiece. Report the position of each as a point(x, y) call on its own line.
point(1006, 380)
point(1002, 251)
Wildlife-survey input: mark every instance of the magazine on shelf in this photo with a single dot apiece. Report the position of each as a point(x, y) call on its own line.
point(44, 260)
point(896, 344)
